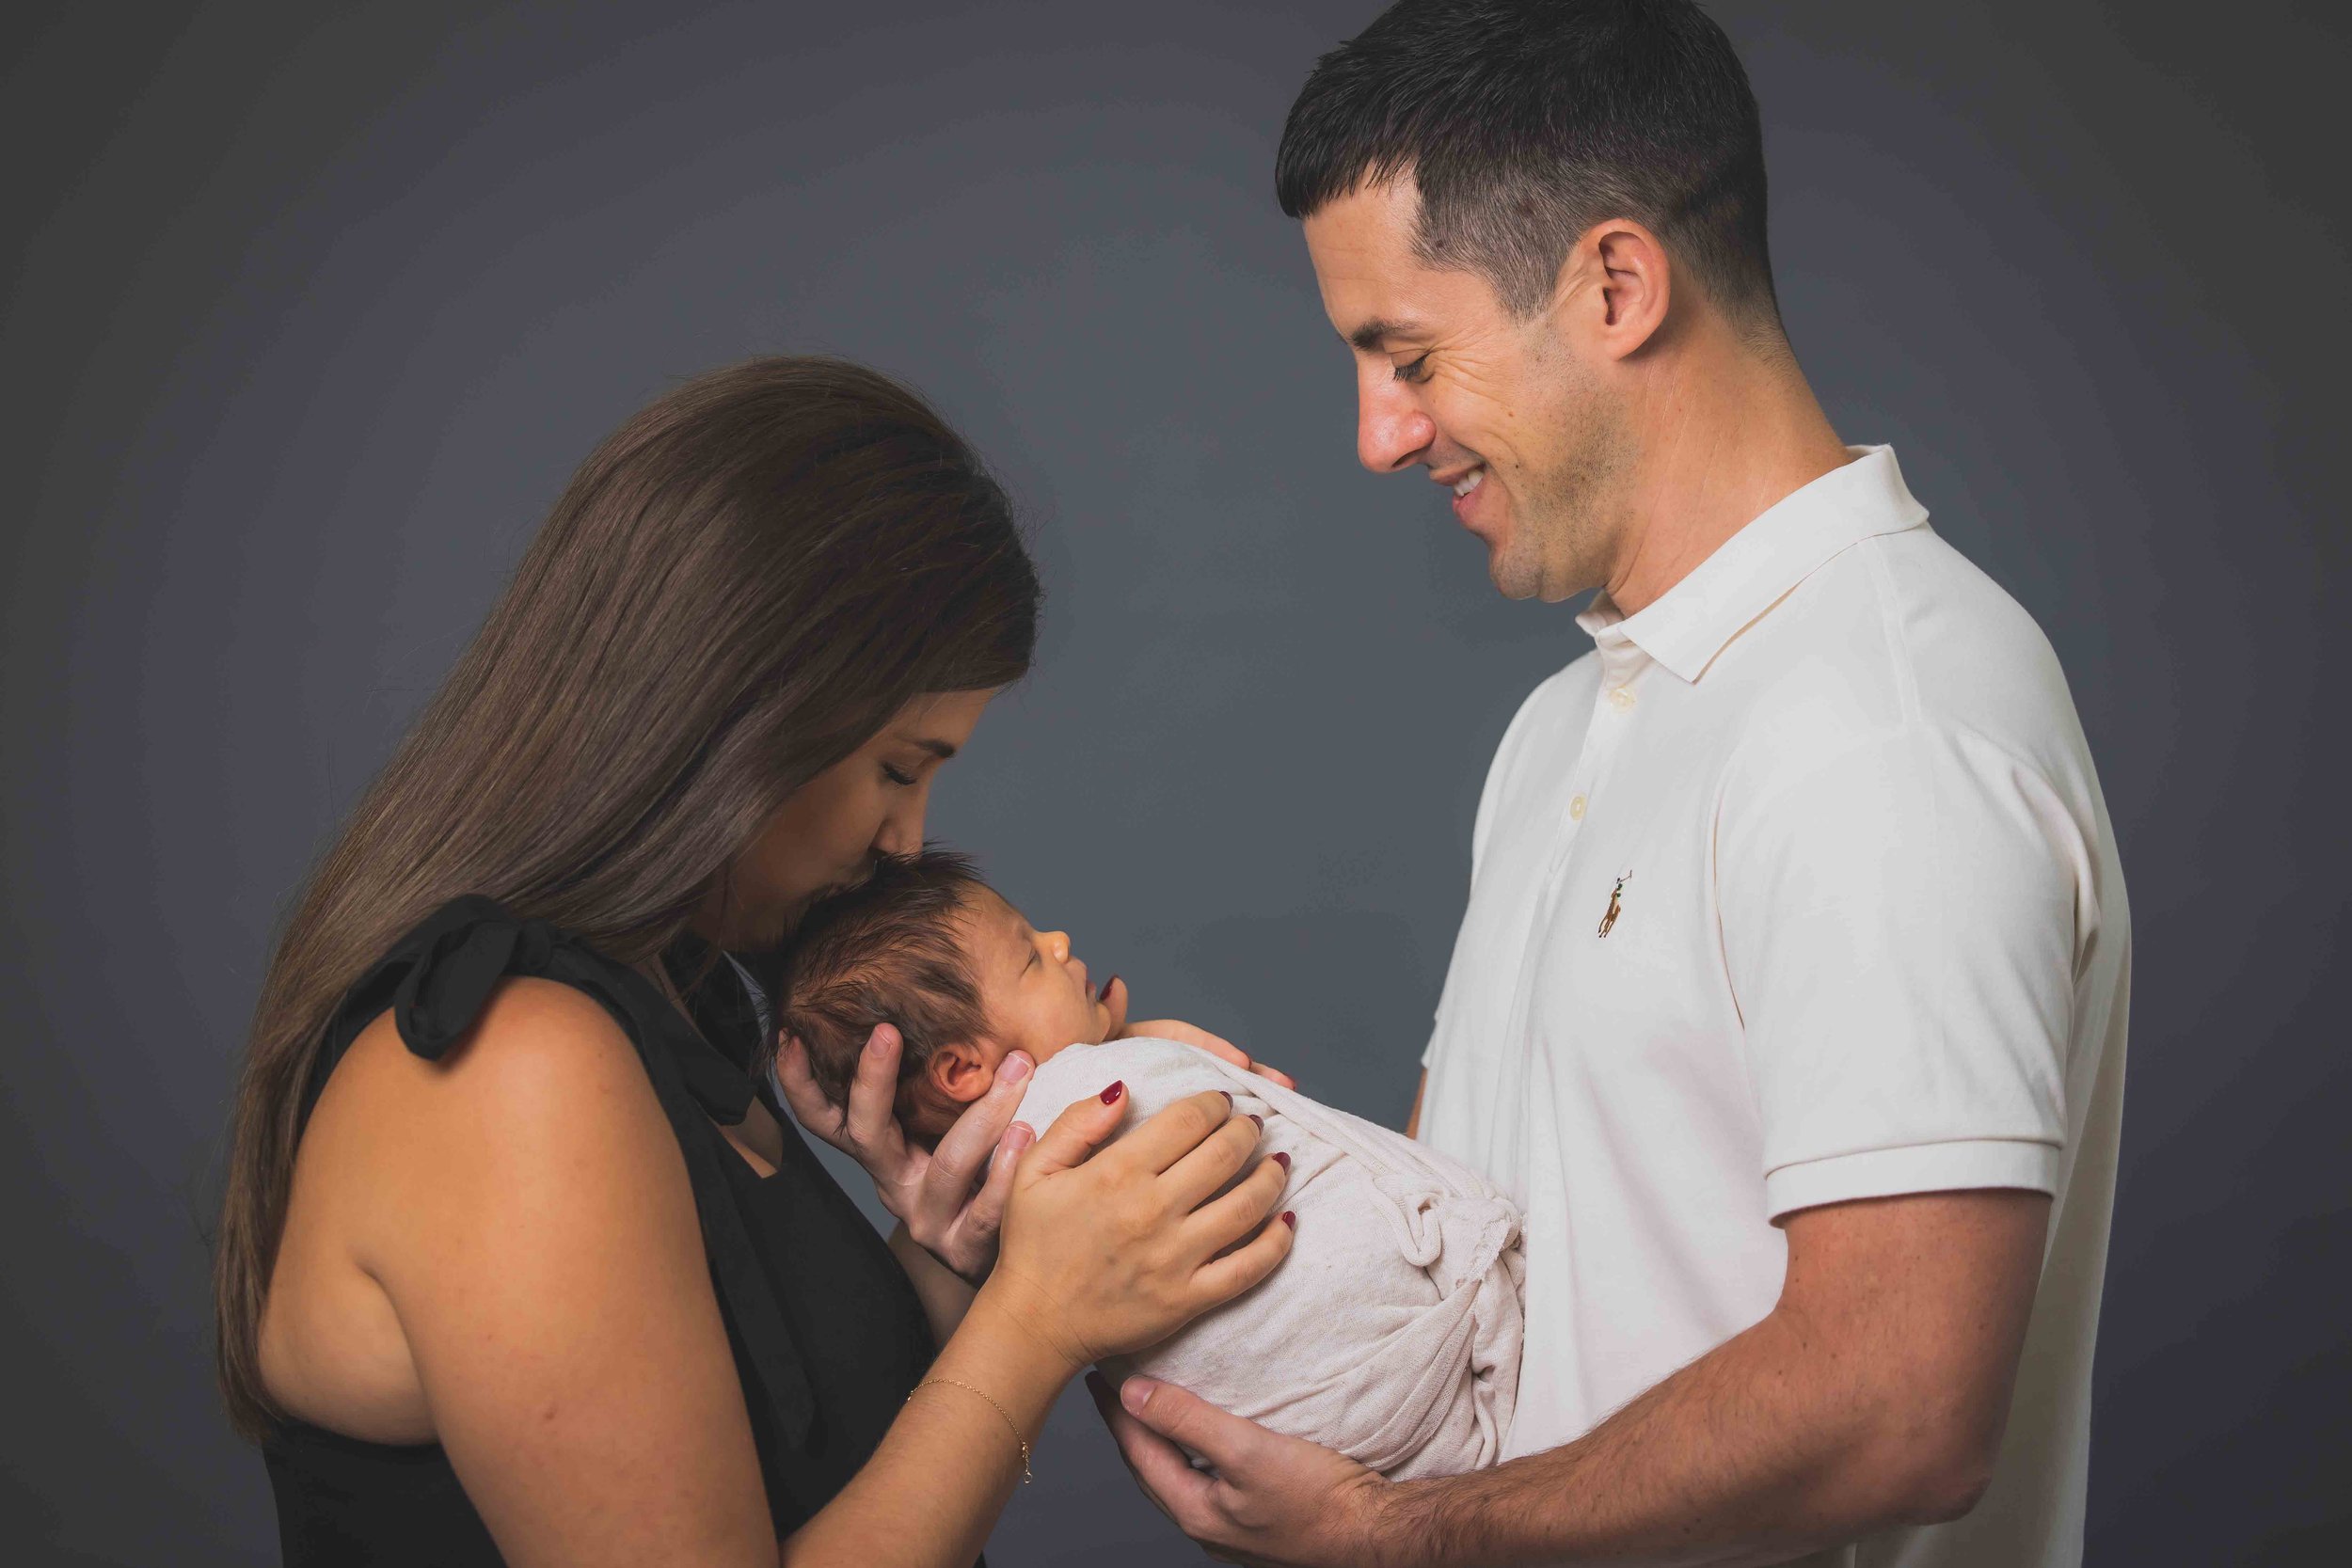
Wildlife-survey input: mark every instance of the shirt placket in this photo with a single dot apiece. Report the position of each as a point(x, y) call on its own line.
point(1605, 734)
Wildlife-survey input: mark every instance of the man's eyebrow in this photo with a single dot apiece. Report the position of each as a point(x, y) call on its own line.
point(1368, 338)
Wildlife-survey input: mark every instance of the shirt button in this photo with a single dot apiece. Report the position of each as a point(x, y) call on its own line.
point(1621, 699)
point(1576, 809)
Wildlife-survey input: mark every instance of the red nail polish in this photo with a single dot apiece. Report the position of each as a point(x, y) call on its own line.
point(1228, 1093)
point(1259, 1119)
point(1110, 1096)
point(1290, 1218)
point(1281, 1158)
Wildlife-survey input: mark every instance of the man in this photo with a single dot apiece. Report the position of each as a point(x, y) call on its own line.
point(1790, 997)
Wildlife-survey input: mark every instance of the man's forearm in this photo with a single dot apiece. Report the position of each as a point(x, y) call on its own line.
point(1763, 1449)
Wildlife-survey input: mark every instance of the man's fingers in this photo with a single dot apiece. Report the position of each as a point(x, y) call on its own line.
point(1158, 1466)
point(874, 1092)
point(1220, 1280)
point(966, 1146)
point(1084, 1126)
point(1225, 1440)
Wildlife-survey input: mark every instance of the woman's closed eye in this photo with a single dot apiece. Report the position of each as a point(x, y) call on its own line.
point(897, 776)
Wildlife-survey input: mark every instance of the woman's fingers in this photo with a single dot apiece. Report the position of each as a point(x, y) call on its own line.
point(973, 1252)
point(1230, 1216)
point(1220, 1280)
point(808, 1102)
point(1274, 1075)
point(1187, 1183)
point(1084, 1126)
point(1216, 1045)
point(873, 1096)
point(965, 1149)
point(1176, 1131)
point(957, 1225)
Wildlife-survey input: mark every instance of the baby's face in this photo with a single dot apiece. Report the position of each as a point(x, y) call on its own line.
point(1033, 989)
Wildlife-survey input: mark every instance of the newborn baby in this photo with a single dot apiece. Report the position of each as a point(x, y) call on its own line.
point(1392, 1333)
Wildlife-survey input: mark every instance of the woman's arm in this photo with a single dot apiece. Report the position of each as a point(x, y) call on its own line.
point(944, 1295)
point(529, 1216)
point(933, 1489)
point(530, 1222)
point(935, 1486)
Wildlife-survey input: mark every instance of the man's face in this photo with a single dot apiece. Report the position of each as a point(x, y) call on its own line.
point(1503, 411)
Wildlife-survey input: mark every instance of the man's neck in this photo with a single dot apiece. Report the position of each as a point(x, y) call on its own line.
point(1729, 435)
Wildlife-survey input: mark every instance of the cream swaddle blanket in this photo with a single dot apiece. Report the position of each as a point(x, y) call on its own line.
point(1392, 1331)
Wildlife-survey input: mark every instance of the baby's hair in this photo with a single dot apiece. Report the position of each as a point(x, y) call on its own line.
point(884, 952)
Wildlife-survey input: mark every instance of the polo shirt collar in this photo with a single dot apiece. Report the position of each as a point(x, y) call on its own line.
point(1692, 621)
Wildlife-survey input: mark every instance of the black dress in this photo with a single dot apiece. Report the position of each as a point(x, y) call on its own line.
point(827, 1333)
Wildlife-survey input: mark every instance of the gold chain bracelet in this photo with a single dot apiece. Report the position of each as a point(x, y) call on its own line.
point(952, 1383)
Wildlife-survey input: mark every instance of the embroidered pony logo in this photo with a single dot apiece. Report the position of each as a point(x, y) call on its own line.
point(1610, 919)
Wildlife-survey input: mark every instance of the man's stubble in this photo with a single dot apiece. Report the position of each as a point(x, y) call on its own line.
point(1570, 498)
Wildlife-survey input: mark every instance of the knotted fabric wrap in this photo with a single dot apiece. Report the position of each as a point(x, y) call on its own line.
point(1392, 1331)
point(437, 979)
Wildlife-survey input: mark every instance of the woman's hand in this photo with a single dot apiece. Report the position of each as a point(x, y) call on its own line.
point(1114, 998)
point(931, 1192)
point(1108, 1254)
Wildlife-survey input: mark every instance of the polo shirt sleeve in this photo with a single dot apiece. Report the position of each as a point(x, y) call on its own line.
point(1900, 921)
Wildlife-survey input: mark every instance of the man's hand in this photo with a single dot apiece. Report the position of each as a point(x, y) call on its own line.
point(931, 1191)
point(1271, 1500)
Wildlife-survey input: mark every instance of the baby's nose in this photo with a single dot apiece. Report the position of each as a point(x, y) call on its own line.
point(1057, 943)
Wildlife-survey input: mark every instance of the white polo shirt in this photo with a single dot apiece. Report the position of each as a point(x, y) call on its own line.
point(1870, 938)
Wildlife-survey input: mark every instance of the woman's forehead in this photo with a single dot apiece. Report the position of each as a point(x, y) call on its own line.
point(938, 721)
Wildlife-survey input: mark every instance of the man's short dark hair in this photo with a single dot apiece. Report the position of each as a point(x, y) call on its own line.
point(1524, 122)
point(887, 951)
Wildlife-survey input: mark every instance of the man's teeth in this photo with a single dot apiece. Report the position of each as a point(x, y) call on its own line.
point(1470, 481)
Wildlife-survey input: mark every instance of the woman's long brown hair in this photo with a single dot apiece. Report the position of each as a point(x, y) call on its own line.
point(738, 589)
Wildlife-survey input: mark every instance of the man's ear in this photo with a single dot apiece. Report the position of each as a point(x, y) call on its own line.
point(959, 1073)
point(1617, 286)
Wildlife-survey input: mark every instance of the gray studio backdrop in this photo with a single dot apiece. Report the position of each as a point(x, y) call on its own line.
point(310, 313)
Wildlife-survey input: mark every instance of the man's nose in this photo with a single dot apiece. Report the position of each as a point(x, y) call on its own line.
point(1390, 429)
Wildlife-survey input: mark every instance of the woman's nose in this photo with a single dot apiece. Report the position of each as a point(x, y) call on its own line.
point(1390, 429)
point(901, 831)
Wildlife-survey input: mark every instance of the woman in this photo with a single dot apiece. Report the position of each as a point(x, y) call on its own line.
point(519, 1262)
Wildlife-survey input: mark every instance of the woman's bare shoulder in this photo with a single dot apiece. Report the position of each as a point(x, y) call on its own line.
point(544, 1080)
point(529, 1221)
point(410, 1170)
point(538, 1046)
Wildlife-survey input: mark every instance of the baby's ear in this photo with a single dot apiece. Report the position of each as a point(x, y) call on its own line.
point(961, 1070)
